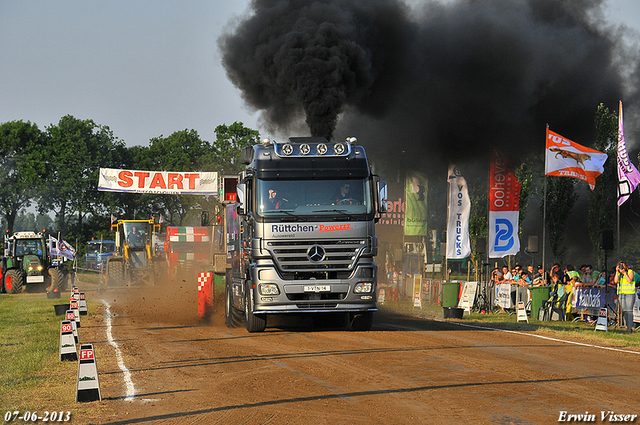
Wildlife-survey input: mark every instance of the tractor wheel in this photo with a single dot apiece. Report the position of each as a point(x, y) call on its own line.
point(115, 273)
point(253, 322)
point(14, 281)
point(57, 279)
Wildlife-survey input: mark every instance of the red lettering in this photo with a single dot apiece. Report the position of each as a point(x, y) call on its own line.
point(175, 179)
point(157, 181)
point(125, 179)
point(192, 179)
point(141, 178)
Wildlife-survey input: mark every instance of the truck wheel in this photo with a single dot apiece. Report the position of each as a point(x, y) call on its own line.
point(14, 281)
point(361, 321)
point(230, 314)
point(57, 279)
point(254, 323)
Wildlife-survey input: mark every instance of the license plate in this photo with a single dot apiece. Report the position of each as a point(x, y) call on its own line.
point(35, 279)
point(317, 288)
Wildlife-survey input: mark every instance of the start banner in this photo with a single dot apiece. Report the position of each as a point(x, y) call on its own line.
point(158, 182)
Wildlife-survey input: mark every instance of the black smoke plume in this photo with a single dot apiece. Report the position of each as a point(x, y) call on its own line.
point(442, 81)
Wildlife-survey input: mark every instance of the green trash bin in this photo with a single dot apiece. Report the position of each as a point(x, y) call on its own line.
point(450, 292)
point(539, 294)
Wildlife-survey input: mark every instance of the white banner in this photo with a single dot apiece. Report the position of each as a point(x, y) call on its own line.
point(458, 245)
point(503, 295)
point(158, 182)
point(468, 296)
point(503, 233)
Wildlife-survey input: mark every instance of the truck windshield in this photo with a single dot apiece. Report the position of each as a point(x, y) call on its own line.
point(313, 197)
point(136, 234)
point(98, 248)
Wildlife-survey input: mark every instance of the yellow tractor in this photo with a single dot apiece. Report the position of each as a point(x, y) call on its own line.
point(135, 257)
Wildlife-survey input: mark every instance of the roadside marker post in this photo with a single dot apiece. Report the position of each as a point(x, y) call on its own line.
point(205, 294)
point(71, 317)
point(73, 305)
point(82, 304)
point(67, 342)
point(88, 388)
point(522, 313)
point(602, 325)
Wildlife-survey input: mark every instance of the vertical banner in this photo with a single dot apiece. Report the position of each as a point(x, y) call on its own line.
point(415, 221)
point(628, 176)
point(504, 207)
point(458, 245)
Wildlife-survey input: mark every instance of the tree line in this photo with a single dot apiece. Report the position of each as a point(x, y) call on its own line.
point(55, 171)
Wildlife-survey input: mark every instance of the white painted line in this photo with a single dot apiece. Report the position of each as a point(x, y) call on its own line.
point(125, 372)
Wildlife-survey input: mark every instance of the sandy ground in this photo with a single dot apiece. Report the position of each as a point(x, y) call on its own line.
point(404, 371)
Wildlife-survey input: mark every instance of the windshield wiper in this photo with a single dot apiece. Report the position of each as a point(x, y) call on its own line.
point(343, 212)
point(290, 214)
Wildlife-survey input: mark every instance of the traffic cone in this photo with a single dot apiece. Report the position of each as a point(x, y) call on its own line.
point(82, 304)
point(73, 305)
point(67, 342)
point(88, 388)
point(71, 317)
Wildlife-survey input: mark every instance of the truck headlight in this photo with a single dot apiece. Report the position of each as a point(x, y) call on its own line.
point(269, 289)
point(363, 288)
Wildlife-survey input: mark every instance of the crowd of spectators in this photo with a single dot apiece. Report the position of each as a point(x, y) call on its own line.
point(564, 281)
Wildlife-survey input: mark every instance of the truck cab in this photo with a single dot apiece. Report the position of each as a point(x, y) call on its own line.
point(302, 236)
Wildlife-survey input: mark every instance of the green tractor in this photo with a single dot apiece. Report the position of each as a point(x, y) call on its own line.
point(27, 263)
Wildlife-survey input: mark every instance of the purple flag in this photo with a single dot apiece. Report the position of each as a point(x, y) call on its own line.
point(628, 176)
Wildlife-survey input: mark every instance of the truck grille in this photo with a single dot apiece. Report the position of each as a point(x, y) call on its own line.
point(298, 256)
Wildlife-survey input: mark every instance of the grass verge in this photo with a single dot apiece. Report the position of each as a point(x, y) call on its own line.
point(32, 377)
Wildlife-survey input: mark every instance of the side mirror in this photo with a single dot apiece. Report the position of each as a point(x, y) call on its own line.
point(240, 190)
point(382, 197)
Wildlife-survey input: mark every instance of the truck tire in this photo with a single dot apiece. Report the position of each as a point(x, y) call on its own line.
point(254, 323)
point(361, 321)
point(230, 312)
point(14, 281)
point(57, 279)
point(115, 273)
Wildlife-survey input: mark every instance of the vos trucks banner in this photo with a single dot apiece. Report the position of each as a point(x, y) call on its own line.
point(504, 207)
point(158, 182)
point(458, 245)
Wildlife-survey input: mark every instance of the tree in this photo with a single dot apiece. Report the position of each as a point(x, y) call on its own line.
point(181, 151)
point(561, 197)
point(75, 151)
point(20, 167)
point(228, 146)
point(601, 214)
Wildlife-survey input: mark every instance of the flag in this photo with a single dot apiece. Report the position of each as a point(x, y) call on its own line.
point(415, 221)
point(504, 207)
point(161, 220)
point(628, 176)
point(61, 248)
point(458, 245)
point(565, 158)
point(113, 218)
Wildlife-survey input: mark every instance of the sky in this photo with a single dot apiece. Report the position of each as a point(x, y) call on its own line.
point(142, 68)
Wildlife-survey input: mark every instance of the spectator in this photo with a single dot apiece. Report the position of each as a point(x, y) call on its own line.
point(626, 290)
point(537, 277)
point(506, 275)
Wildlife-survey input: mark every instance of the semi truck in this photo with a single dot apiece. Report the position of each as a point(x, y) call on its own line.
point(301, 233)
point(97, 254)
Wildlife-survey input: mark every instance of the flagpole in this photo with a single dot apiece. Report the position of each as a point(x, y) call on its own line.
point(544, 207)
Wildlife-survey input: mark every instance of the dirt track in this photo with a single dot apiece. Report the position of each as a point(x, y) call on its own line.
point(403, 371)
